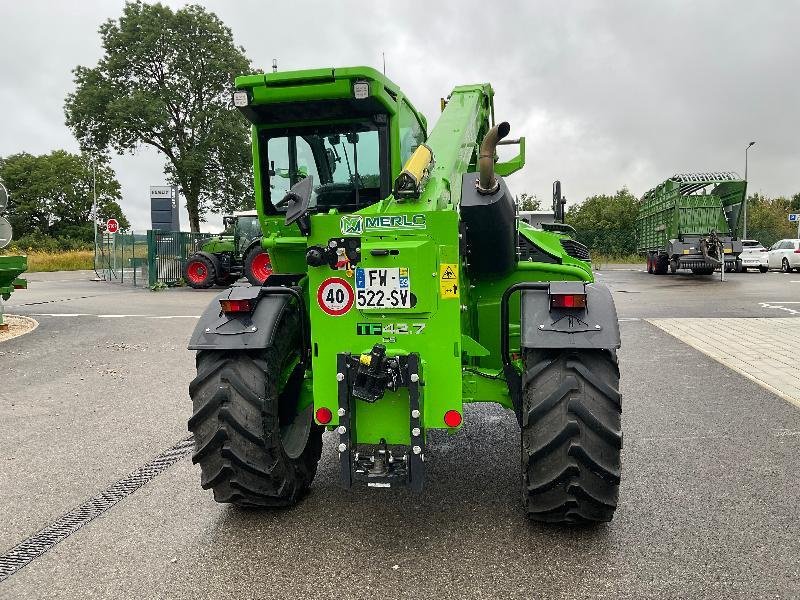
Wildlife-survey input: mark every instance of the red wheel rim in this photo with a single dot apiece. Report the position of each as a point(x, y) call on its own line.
point(196, 272)
point(261, 266)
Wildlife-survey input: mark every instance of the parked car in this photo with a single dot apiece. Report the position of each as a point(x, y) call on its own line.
point(753, 256)
point(785, 255)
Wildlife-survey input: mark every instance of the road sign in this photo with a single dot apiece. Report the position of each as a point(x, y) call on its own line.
point(335, 296)
point(794, 217)
point(112, 226)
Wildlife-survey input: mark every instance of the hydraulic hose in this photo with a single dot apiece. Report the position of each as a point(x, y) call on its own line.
point(487, 182)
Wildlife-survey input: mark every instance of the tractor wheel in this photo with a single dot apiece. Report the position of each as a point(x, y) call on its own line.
point(571, 435)
point(257, 265)
point(254, 448)
point(200, 272)
point(763, 269)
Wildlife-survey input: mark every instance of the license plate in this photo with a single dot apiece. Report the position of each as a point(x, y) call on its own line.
point(383, 288)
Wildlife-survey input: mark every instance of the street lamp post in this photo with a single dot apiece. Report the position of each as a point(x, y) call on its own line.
point(744, 229)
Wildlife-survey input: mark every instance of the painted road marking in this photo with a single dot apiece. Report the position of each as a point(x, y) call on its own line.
point(763, 349)
point(779, 306)
point(115, 316)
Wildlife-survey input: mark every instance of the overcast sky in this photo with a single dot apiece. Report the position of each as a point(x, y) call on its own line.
point(608, 93)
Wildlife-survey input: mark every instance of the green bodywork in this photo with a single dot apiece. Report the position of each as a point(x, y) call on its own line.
point(689, 205)
point(457, 338)
point(234, 240)
point(11, 267)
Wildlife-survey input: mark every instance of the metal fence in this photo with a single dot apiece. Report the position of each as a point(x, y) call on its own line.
point(122, 258)
point(167, 252)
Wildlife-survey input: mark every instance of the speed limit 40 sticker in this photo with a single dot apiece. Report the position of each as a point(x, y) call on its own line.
point(335, 296)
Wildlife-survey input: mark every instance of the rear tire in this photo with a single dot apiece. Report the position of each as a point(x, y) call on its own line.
point(257, 265)
point(199, 273)
point(785, 268)
point(763, 269)
point(253, 448)
point(571, 435)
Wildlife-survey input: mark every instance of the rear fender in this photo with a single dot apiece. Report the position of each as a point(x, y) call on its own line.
point(248, 331)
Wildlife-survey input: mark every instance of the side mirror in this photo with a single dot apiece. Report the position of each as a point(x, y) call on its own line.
point(296, 201)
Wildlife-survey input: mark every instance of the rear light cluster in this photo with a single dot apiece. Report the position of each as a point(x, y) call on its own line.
point(567, 301)
point(236, 306)
point(797, 251)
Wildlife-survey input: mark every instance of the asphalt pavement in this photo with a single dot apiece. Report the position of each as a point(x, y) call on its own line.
point(708, 501)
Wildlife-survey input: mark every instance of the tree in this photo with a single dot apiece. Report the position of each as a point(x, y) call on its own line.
point(795, 206)
point(606, 223)
point(768, 219)
point(527, 201)
point(52, 194)
point(165, 81)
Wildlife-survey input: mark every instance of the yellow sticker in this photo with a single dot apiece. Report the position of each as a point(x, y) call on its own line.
point(448, 280)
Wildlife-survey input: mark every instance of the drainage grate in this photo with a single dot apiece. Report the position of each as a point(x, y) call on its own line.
point(39, 543)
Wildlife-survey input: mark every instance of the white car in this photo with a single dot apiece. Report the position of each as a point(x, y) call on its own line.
point(754, 256)
point(785, 255)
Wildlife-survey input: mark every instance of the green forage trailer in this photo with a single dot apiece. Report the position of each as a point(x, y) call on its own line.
point(11, 267)
point(403, 288)
point(690, 222)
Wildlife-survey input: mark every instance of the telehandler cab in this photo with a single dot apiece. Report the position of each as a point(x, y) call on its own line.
point(403, 288)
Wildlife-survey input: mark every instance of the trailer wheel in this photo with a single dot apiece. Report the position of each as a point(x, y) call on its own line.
point(257, 265)
point(255, 449)
point(650, 264)
point(673, 266)
point(200, 272)
point(571, 435)
point(661, 264)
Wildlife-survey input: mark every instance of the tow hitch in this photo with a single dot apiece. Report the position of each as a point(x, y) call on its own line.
point(366, 380)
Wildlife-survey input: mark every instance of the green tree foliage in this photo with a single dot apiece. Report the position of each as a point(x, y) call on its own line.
point(768, 218)
point(527, 201)
point(606, 223)
point(795, 205)
point(165, 80)
point(51, 194)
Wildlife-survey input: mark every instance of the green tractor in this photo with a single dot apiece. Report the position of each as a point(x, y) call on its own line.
point(404, 287)
point(236, 252)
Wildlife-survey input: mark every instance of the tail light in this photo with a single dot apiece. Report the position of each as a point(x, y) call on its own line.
point(567, 301)
point(324, 415)
point(797, 251)
point(236, 306)
point(452, 418)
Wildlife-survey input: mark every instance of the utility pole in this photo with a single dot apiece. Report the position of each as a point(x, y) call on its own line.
point(744, 229)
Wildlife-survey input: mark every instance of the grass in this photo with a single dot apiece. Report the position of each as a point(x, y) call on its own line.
point(71, 260)
point(600, 260)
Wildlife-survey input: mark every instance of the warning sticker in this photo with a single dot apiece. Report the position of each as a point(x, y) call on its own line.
point(335, 296)
point(448, 280)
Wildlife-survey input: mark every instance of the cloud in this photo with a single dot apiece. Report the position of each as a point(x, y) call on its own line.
point(608, 94)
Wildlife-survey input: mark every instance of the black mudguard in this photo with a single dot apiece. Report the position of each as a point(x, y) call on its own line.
point(245, 331)
point(595, 326)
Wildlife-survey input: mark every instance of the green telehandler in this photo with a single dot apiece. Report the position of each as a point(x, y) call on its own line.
point(404, 287)
point(224, 258)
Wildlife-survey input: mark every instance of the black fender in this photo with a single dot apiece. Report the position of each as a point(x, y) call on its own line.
point(595, 326)
point(254, 330)
point(256, 241)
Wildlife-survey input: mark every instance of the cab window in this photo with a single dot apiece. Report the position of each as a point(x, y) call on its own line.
point(411, 132)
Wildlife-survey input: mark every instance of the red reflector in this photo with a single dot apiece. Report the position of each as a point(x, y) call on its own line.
point(324, 415)
point(236, 306)
point(452, 418)
point(568, 301)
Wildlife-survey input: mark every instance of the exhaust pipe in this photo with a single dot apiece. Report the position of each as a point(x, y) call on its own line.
point(487, 182)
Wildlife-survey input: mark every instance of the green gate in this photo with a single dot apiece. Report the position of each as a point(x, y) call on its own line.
point(167, 252)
